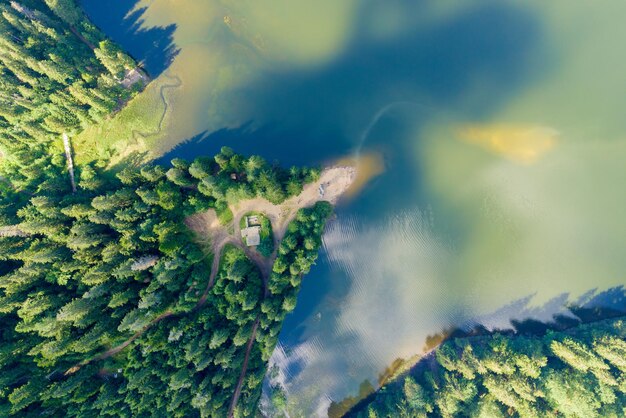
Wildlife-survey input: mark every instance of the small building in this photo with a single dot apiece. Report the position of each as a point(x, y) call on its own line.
point(252, 235)
point(252, 232)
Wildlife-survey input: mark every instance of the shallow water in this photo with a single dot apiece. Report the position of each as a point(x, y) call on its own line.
point(501, 129)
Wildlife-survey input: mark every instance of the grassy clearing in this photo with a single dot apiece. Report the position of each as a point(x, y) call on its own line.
point(123, 131)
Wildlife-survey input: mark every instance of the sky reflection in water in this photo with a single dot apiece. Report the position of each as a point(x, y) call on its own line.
point(502, 131)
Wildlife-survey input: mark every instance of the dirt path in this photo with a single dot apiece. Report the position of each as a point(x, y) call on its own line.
point(214, 269)
point(125, 344)
point(334, 181)
point(209, 229)
point(113, 351)
point(244, 367)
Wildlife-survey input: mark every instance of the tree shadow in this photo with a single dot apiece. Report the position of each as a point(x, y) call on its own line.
point(558, 313)
point(154, 47)
point(133, 159)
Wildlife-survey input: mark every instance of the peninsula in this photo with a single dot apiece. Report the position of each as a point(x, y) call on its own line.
point(147, 272)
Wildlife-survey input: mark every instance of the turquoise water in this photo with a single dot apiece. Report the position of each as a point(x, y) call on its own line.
point(500, 125)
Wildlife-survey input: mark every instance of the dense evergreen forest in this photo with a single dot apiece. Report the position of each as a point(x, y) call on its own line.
point(579, 373)
point(58, 74)
point(84, 272)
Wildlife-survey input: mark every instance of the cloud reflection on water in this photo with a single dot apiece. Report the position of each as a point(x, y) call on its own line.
point(400, 295)
point(495, 231)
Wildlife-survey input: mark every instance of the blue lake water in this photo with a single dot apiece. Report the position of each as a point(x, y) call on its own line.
point(500, 128)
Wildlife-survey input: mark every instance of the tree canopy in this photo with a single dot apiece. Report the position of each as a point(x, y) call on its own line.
point(56, 77)
point(113, 265)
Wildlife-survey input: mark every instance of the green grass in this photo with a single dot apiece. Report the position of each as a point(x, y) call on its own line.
point(224, 214)
point(139, 117)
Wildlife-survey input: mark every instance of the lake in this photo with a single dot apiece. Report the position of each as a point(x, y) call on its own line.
point(500, 126)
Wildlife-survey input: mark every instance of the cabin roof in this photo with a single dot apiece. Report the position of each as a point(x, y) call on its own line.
point(251, 235)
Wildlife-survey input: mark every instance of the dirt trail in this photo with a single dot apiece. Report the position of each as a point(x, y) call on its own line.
point(82, 38)
point(334, 181)
point(205, 222)
point(113, 351)
point(244, 367)
point(209, 230)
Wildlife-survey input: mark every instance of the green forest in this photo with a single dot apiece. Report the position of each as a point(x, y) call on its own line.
point(578, 372)
point(85, 272)
point(58, 74)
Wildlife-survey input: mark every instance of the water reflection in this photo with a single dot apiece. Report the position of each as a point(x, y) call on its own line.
point(501, 131)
